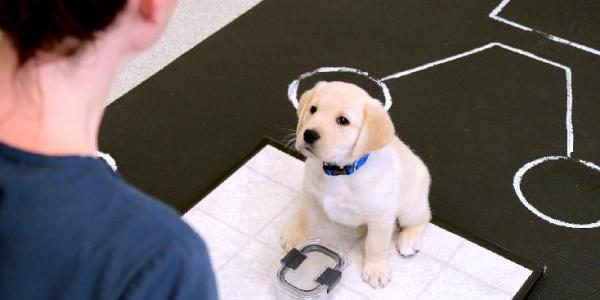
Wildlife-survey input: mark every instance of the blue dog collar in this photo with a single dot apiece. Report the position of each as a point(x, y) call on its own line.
point(335, 170)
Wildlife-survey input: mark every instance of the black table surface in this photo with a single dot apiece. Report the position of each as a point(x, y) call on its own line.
point(475, 121)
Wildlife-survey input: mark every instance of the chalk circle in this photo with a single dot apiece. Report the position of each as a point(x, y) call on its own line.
point(517, 186)
point(293, 87)
point(110, 161)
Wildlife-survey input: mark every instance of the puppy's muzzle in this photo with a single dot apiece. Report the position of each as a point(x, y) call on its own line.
point(311, 136)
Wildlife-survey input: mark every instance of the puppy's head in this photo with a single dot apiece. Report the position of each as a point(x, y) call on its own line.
point(339, 122)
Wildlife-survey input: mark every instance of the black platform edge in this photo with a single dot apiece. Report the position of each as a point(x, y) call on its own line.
point(537, 269)
point(199, 195)
point(525, 290)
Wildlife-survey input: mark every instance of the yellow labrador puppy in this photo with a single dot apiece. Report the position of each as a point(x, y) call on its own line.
point(358, 172)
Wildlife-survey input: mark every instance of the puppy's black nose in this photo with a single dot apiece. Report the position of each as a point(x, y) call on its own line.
point(310, 136)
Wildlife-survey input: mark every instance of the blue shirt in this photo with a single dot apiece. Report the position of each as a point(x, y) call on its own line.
point(70, 228)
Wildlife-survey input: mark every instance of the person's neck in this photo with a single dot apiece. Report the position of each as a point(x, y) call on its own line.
point(53, 106)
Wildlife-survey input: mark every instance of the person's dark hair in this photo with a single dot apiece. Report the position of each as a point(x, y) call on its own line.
point(45, 25)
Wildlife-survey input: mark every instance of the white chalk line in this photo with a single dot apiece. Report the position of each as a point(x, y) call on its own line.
point(569, 114)
point(438, 62)
point(570, 43)
point(590, 165)
point(511, 23)
point(569, 90)
point(110, 161)
point(567, 70)
point(498, 9)
point(517, 186)
point(293, 87)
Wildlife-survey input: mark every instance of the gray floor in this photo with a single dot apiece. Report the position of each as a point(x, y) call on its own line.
point(192, 22)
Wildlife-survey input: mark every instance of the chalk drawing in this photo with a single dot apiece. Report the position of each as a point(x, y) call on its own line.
point(494, 15)
point(517, 186)
point(567, 70)
point(293, 87)
point(108, 159)
point(293, 97)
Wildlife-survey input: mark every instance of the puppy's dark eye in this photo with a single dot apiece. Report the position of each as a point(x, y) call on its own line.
point(313, 109)
point(342, 121)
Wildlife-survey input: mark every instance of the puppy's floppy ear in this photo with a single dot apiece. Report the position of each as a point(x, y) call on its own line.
point(377, 129)
point(303, 103)
point(303, 107)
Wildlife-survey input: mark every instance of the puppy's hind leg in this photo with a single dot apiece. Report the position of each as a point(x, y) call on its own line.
point(409, 239)
point(412, 227)
point(414, 220)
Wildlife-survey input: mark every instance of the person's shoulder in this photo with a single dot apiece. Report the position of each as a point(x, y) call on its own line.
point(157, 248)
point(123, 214)
point(179, 269)
point(174, 255)
point(153, 213)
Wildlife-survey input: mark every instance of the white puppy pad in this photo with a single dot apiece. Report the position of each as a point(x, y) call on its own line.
point(242, 218)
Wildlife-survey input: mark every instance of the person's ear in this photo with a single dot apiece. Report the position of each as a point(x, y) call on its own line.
point(156, 11)
point(145, 20)
point(377, 130)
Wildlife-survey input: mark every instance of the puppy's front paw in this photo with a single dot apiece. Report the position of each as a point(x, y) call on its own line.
point(290, 239)
point(377, 274)
point(408, 242)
